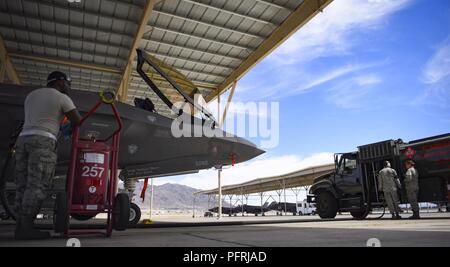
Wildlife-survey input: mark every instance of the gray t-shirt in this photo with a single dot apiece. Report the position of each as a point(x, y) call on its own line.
point(44, 110)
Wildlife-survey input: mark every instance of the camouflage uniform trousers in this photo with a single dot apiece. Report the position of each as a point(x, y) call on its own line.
point(35, 167)
point(412, 191)
point(392, 201)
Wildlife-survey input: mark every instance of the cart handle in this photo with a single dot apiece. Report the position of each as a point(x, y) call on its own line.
point(106, 98)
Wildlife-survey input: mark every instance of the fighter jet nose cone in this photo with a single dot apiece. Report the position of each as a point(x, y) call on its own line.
point(246, 150)
point(259, 152)
point(234, 150)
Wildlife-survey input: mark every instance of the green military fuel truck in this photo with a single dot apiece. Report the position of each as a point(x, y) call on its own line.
point(353, 186)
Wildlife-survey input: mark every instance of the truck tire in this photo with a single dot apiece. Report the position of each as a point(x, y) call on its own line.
point(359, 215)
point(4, 216)
point(121, 212)
point(327, 207)
point(135, 215)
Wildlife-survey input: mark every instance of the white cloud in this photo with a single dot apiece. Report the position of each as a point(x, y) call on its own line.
point(437, 68)
point(264, 167)
point(343, 71)
point(366, 80)
point(350, 93)
point(334, 34)
point(330, 33)
point(436, 75)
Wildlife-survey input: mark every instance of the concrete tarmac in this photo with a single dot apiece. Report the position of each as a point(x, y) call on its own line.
point(432, 231)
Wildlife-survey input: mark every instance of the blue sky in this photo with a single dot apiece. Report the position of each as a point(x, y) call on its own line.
point(360, 72)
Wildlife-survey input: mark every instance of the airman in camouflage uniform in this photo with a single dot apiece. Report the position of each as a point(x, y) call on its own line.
point(35, 167)
point(412, 188)
point(388, 183)
point(36, 150)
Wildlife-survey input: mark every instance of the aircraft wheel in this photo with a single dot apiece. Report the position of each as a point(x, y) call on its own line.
point(121, 212)
point(135, 215)
point(326, 205)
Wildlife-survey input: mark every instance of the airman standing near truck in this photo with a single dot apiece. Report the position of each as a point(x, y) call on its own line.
point(412, 188)
point(388, 183)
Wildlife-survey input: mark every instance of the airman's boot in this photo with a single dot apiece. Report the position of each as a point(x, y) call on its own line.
point(25, 230)
point(416, 216)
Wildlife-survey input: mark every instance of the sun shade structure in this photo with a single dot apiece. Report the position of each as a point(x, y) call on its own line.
point(212, 43)
point(304, 177)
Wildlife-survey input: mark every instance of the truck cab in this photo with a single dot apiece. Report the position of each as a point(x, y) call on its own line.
point(342, 190)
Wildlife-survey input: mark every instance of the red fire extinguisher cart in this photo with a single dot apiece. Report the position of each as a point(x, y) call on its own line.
point(92, 180)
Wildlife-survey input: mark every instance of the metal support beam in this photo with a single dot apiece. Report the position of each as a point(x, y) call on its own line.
point(76, 83)
point(265, 2)
point(208, 24)
point(68, 38)
point(191, 49)
point(193, 207)
point(219, 180)
point(246, 203)
point(122, 91)
point(152, 198)
point(65, 62)
point(231, 204)
point(285, 201)
point(296, 192)
point(227, 106)
point(7, 68)
point(279, 193)
point(80, 76)
point(191, 71)
point(94, 67)
point(304, 13)
point(230, 12)
point(202, 38)
point(182, 58)
point(77, 8)
point(63, 23)
point(197, 83)
point(261, 194)
point(82, 52)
